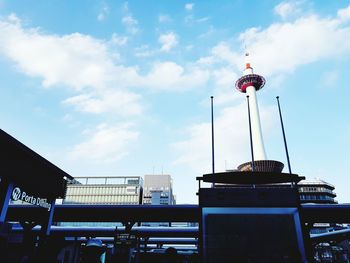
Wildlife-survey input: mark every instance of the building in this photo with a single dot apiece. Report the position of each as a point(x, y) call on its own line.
point(316, 191)
point(158, 190)
point(27, 177)
point(310, 191)
point(111, 190)
point(122, 190)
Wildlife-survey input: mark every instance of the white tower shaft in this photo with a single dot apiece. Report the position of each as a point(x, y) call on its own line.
point(258, 142)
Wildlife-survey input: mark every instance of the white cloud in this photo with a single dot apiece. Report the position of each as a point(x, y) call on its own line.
point(144, 51)
point(344, 14)
point(67, 118)
point(121, 102)
point(189, 47)
point(131, 24)
point(100, 17)
point(168, 41)
point(191, 20)
point(86, 66)
point(14, 19)
point(162, 18)
point(171, 76)
point(129, 20)
point(189, 6)
point(104, 144)
point(223, 52)
point(104, 12)
point(70, 121)
point(276, 81)
point(206, 61)
point(119, 40)
point(288, 9)
point(224, 86)
point(125, 7)
point(222, 76)
point(330, 79)
point(231, 140)
point(203, 19)
point(225, 77)
point(97, 83)
point(76, 61)
point(282, 47)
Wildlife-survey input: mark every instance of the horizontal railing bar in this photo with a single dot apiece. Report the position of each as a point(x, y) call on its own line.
point(309, 213)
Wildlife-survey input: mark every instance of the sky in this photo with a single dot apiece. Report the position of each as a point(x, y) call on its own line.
point(123, 88)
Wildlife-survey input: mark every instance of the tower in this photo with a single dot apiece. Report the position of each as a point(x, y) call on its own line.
point(250, 83)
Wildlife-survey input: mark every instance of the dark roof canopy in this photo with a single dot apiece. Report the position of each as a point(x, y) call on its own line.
point(319, 213)
point(107, 213)
point(30, 171)
point(249, 177)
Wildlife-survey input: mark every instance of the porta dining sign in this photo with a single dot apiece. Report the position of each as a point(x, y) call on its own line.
point(19, 195)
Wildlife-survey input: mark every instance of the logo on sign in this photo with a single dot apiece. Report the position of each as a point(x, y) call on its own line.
point(16, 194)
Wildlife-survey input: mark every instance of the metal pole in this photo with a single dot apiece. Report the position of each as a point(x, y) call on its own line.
point(212, 135)
point(46, 226)
point(284, 135)
point(251, 138)
point(6, 189)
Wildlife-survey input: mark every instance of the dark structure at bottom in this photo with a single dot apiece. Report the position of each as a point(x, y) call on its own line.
point(243, 221)
point(245, 217)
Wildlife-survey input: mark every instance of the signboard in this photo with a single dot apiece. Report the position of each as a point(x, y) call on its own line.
point(19, 195)
point(125, 239)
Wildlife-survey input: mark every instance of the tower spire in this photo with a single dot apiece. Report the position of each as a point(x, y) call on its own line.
point(247, 60)
point(248, 66)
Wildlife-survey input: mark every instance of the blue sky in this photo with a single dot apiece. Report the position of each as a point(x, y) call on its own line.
point(123, 88)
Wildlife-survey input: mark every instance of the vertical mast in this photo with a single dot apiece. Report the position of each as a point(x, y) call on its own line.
point(212, 135)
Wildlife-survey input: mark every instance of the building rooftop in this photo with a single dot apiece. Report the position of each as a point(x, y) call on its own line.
point(314, 181)
point(108, 180)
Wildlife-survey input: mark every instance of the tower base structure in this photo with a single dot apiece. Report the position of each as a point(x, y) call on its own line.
point(270, 166)
point(251, 222)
